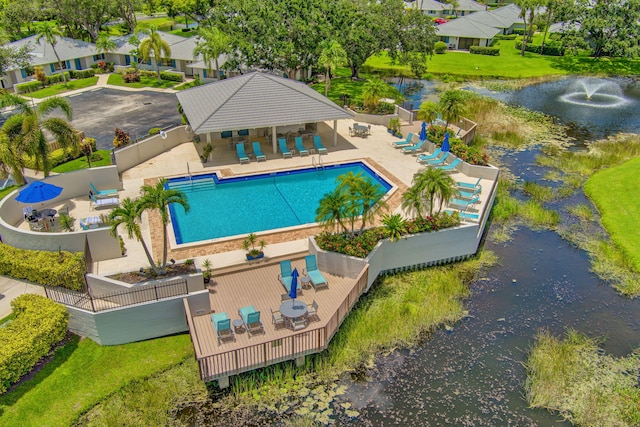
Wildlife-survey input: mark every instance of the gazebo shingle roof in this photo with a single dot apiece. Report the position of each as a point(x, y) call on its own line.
point(255, 100)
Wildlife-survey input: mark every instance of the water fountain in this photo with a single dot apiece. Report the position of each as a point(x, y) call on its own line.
point(593, 92)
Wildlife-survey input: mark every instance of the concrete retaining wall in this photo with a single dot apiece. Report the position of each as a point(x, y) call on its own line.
point(373, 119)
point(134, 154)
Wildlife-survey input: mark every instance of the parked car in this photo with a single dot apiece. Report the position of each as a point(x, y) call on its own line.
point(439, 21)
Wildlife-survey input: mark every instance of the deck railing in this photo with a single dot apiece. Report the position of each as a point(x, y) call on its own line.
point(131, 296)
point(260, 355)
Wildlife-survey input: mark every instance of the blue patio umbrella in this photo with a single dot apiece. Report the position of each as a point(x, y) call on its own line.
point(423, 132)
point(293, 293)
point(445, 143)
point(39, 191)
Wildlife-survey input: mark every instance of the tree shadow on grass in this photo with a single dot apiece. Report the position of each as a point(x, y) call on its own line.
point(40, 372)
point(588, 65)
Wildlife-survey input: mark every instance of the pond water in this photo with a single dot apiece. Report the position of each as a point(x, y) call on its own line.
point(473, 374)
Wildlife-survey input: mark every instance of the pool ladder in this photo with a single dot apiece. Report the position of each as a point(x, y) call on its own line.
point(318, 165)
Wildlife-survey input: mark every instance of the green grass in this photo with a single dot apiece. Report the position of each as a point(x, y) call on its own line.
point(583, 384)
point(510, 64)
point(162, 23)
point(62, 88)
point(7, 190)
point(342, 84)
point(145, 81)
point(101, 158)
point(84, 373)
point(615, 193)
point(539, 192)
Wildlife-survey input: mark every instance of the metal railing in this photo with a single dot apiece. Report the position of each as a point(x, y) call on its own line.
point(108, 301)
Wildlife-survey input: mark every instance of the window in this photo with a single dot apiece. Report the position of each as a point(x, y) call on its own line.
point(166, 62)
point(56, 67)
point(98, 57)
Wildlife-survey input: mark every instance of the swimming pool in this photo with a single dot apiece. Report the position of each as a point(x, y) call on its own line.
point(222, 207)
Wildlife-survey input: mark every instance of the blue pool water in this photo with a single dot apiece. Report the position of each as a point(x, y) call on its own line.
point(231, 206)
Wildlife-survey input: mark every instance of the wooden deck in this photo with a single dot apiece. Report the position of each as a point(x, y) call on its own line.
point(260, 287)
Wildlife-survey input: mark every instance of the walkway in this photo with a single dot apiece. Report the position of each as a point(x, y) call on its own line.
point(11, 288)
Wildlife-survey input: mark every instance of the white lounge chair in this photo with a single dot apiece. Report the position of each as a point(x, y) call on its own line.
point(104, 203)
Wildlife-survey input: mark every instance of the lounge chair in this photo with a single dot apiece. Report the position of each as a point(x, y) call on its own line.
point(426, 157)
point(469, 194)
point(277, 319)
point(438, 161)
point(312, 310)
point(464, 215)
point(464, 204)
point(251, 319)
point(257, 151)
point(317, 142)
point(414, 148)
point(286, 277)
point(27, 212)
point(404, 143)
point(450, 167)
point(241, 154)
point(103, 193)
point(103, 203)
point(301, 148)
point(222, 326)
point(90, 222)
point(311, 270)
point(282, 143)
point(467, 186)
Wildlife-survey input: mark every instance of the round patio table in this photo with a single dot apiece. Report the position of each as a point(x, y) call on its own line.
point(50, 213)
point(293, 309)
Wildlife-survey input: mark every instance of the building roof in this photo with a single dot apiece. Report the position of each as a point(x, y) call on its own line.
point(466, 28)
point(255, 100)
point(181, 47)
point(470, 5)
point(67, 49)
point(432, 5)
point(437, 6)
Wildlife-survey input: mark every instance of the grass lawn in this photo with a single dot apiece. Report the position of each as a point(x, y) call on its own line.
point(145, 81)
point(84, 373)
point(7, 190)
point(510, 64)
point(61, 87)
point(162, 23)
point(341, 84)
point(615, 192)
point(81, 162)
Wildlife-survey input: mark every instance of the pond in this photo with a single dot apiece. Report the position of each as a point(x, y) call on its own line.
point(472, 375)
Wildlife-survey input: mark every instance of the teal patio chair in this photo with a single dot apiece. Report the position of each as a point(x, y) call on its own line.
point(285, 274)
point(426, 157)
point(282, 144)
point(257, 151)
point(317, 142)
point(468, 186)
point(464, 204)
point(222, 326)
point(438, 161)
point(451, 167)
point(405, 143)
point(311, 270)
point(241, 154)
point(251, 319)
point(464, 215)
point(301, 148)
point(414, 148)
point(469, 194)
point(103, 193)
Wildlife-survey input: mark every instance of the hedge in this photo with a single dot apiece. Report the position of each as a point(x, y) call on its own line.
point(55, 78)
point(82, 74)
point(484, 50)
point(28, 87)
point(550, 49)
point(440, 47)
point(38, 325)
point(505, 36)
point(64, 269)
point(173, 77)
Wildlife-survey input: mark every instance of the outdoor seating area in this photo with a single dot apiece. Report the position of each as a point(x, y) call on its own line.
point(362, 131)
point(408, 141)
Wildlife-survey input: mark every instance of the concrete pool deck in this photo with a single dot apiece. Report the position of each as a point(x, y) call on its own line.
point(376, 150)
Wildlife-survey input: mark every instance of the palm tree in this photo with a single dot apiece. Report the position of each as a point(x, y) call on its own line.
point(452, 106)
point(154, 45)
point(332, 55)
point(47, 30)
point(435, 185)
point(25, 130)
point(413, 201)
point(330, 211)
point(395, 226)
point(372, 91)
point(11, 158)
point(105, 44)
point(428, 112)
point(211, 44)
point(370, 196)
point(158, 197)
point(129, 214)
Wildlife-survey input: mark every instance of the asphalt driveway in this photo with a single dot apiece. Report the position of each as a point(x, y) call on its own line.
point(98, 112)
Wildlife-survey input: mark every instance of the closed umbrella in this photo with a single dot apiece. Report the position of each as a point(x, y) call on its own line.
point(423, 132)
point(445, 144)
point(39, 191)
point(293, 292)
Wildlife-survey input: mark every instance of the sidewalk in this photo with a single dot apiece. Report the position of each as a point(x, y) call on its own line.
point(11, 288)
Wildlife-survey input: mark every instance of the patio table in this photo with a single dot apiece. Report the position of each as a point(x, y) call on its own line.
point(293, 309)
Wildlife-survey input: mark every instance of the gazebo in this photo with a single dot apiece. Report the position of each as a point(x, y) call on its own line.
point(258, 102)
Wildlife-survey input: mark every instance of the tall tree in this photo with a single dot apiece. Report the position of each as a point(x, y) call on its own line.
point(127, 11)
point(158, 197)
point(155, 46)
point(212, 43)
point(435, 185)
point(11, 58)
point(428, 112)
point(82, 17)
point(28, 126)
point(48, 31)
point(17, 13)
point(129, 215)
point(332, 55)
point(372, 91)
point(452, 106)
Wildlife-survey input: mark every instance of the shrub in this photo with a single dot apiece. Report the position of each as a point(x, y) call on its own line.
point(154, 131)
point(468, 153)
point(64, 269)
point(440, 47)
point(173, 77)
point(484, 50)
point(121, 138)
point(82, 74)
point(38, 325)
point(131, 77)
point(384, 108)
point(28, 87)
point(55, 78)
point(90, 141)
point(551, 49)
point(41, 76)
point(505, 36)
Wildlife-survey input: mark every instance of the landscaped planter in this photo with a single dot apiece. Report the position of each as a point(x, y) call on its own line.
point(252, 257)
